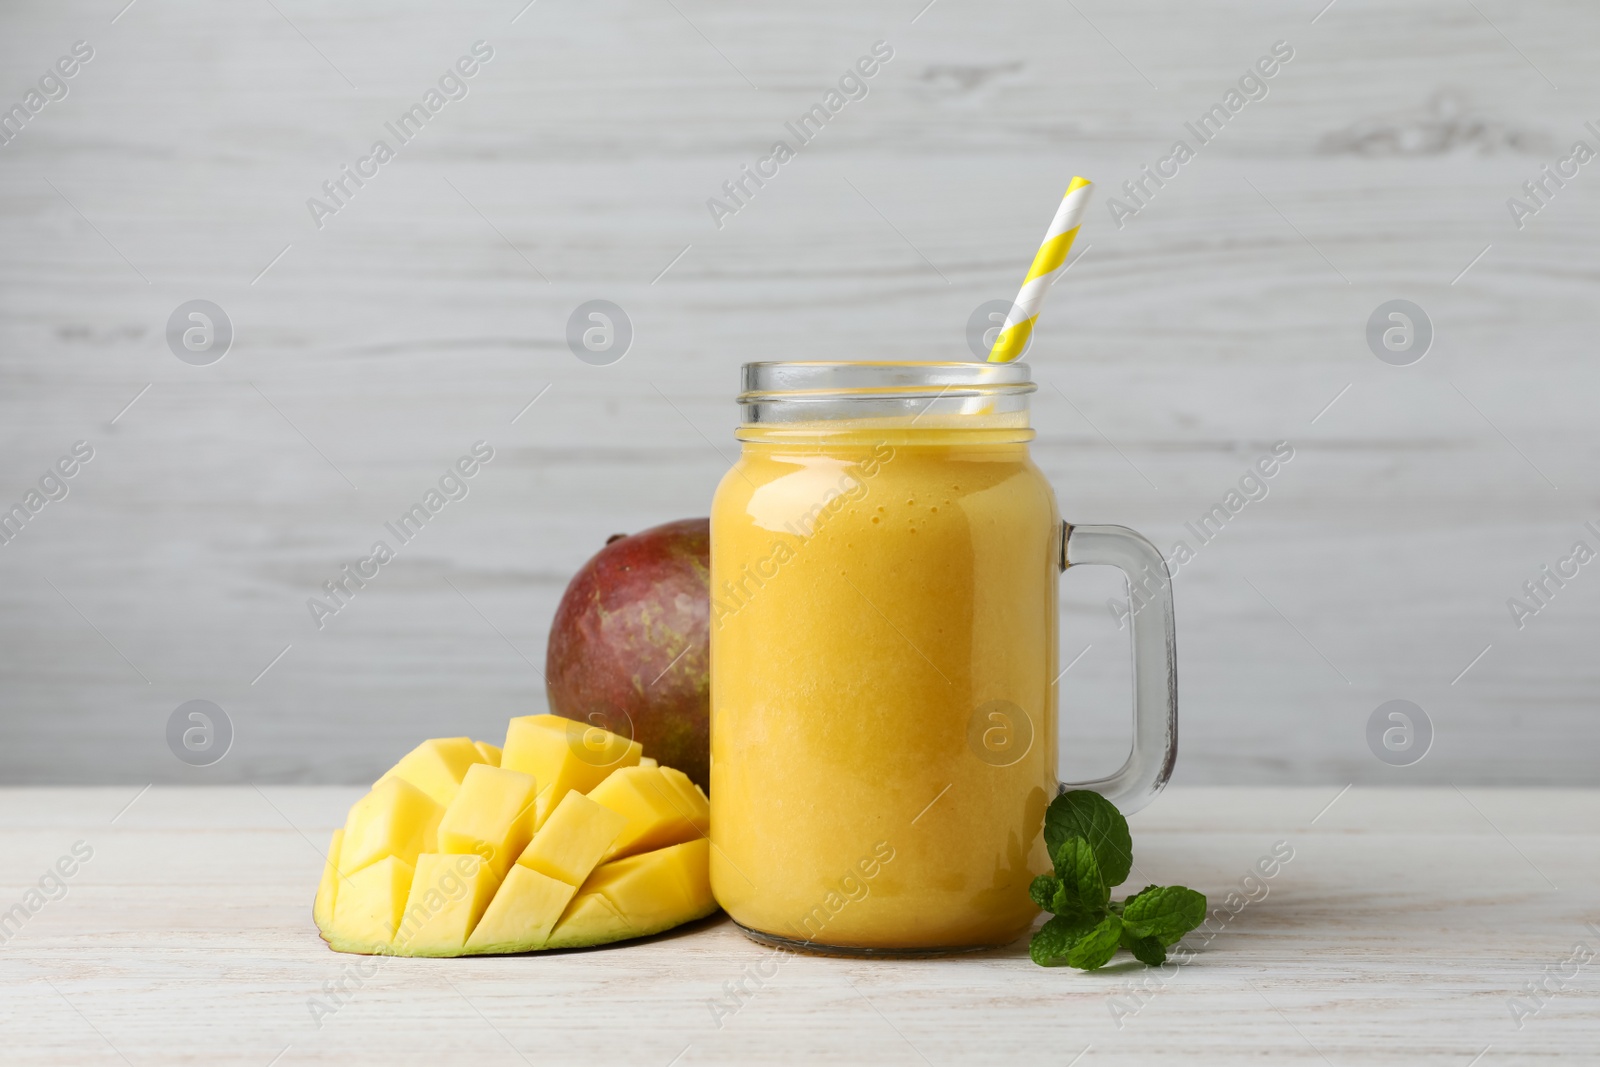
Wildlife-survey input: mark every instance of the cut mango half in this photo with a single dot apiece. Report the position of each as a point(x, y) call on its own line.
point(566, 837)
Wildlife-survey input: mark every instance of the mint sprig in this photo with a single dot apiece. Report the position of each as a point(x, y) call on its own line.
point(1092, 851)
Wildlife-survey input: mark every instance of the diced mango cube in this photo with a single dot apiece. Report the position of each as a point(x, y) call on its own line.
point(490, 753)
point(367, 911)
point(590, 920)
point(394, 819)
point(564, 755)
point(653, 807)
point(328, 887)
point(448, 896)
point(436, 767)
point(491, 817)
point(522, 912)
point(695, 804)
point(542, 806)
point(658, 889)
point(573, 839)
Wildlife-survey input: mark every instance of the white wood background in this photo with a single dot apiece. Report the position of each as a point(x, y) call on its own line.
point(1399, 933)
point(430, 311)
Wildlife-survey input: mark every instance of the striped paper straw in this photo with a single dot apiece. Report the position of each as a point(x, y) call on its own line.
point(1052, 254)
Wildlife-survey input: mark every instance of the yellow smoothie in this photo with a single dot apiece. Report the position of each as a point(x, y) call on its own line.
point(883, 651)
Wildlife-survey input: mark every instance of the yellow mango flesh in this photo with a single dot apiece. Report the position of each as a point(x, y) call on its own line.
point(522, 913)
point(492, 816)
point(695, 804)
point(394, 819)
point(436, 767)
point(367, 912)
point(653, 889)
point(490, 753)
point(653, 807)
point(610, 848)
point(449, 894)
point(591, 920)
point(564, 755)
point(573, 839)
point(638, 896)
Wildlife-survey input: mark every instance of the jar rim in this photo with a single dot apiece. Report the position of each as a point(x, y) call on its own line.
point(819, 381)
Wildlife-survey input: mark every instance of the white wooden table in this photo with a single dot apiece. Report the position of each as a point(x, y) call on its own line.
point(1400, 931)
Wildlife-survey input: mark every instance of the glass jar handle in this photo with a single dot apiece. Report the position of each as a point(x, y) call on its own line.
point(1155, 659)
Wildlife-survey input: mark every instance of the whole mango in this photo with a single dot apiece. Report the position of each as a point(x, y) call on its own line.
point(630, 646)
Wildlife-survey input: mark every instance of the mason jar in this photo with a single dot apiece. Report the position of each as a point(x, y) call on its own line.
point(884, 565)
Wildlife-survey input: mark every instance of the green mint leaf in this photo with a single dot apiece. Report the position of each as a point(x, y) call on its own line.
point(1165, 912)
point(1135, 897)
point(1079, 871)
point(1086, 814)
point(1053, 941)
point(1095, 948)
point(1147, 950)
point(1044, 890)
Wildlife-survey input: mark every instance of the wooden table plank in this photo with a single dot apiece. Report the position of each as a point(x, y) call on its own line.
point(1398, 933)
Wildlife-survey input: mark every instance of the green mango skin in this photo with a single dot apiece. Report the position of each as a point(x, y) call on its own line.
point(629, 613)
point(569, 941)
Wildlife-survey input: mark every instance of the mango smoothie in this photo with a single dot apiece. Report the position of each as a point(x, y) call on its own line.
point(883, 652)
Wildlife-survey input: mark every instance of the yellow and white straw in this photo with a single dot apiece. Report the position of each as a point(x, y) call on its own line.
point(1047, 264)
